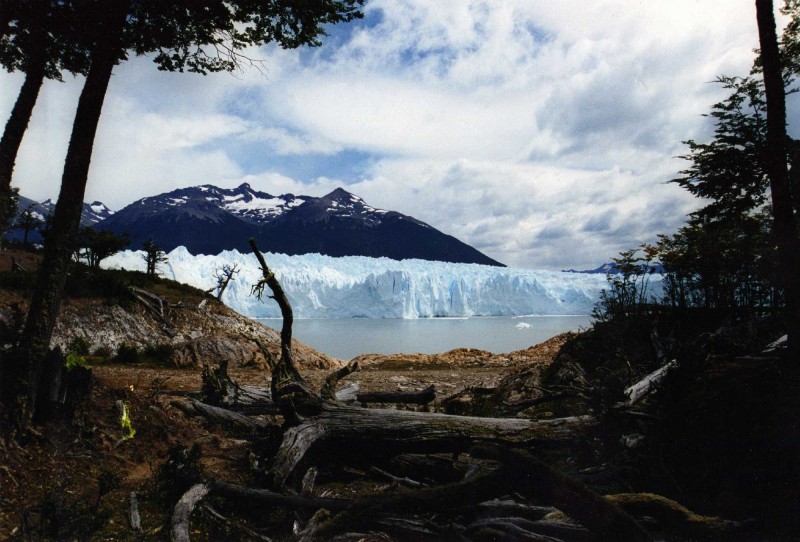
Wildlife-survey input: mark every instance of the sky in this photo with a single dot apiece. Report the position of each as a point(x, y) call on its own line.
point(542, 133)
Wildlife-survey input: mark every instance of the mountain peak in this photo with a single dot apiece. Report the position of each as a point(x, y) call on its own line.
point(208, 220)
point(342, 195)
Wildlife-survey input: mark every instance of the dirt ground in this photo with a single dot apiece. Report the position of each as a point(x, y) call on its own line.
point(58, 475)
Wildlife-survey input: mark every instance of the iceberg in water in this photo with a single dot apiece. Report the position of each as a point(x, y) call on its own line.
point(361, 287)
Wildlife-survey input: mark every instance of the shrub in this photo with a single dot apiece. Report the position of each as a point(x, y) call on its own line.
point(127, 354)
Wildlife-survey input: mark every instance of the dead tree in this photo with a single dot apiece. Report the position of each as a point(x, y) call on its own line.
point(224, 275)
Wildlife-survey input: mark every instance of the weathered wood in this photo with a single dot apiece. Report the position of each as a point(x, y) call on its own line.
point(348, 394)
point(179, 526)
point(676, 518)
point(403, 481)
point(133, 513)
point(233, 491)
point(220, 390)
point(152, 303)
point(221, 416)
point(437, 468)
point(366, 511)
point(397, 431)
point(516, 529)
point(422, 397)
point(646, 385)
point(328, 390)
point(232, 525)
point(597, 514)
point(509, 508)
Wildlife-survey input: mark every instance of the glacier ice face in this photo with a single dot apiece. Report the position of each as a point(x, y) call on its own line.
point(361, 287)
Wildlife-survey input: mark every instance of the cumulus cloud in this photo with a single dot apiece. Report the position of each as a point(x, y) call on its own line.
point(542, 133)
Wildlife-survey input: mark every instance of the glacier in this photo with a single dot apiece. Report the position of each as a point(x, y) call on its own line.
point(361, 287)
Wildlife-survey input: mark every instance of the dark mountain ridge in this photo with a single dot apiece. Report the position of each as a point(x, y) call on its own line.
point(207, 220)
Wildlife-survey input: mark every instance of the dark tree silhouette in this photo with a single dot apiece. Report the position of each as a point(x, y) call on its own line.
point(97, 245)
point(784, 221)
point(27, 222)
point(42, 43)
point(153, 257)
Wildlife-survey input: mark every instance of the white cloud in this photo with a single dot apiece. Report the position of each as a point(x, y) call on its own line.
point(542, 133)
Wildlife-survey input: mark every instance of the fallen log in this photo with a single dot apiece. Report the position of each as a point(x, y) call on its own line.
point(221, 416)
point(220, 390)
point(422, 397)
point(534, 531)
point(179, 526)
point(646, 385)
point(675, 518)
point(383, 432)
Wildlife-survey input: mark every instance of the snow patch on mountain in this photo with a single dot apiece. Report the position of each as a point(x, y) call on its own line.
point(361, 287)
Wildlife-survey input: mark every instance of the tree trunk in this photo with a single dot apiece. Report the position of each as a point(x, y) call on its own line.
point(784, 226)
point(15, 128)
point(46, 302)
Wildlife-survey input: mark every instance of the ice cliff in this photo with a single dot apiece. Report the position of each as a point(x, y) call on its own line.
point(360, 287)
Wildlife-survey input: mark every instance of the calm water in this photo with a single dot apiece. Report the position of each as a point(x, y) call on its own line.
point(347, 338)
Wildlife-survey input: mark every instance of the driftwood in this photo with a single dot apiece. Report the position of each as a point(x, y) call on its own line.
point(153, 304)
point(422, 397)
point(396, 431)
point(179, 526)
point(524, 529)
point(643, 387)
point(133, 513)
point(222, 416)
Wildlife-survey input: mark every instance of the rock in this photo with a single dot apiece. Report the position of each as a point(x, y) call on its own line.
point(197, 336)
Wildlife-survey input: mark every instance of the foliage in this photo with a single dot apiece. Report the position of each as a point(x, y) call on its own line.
point(722, 265)
point(730, 171)
point(94, 246)
point(11, 202)
point(79, 346)
point(128, 432)
point(153, 257)
point(629, 290)
point(74, 360)
point(127, 354)
point(44, 35)
point(27, 222)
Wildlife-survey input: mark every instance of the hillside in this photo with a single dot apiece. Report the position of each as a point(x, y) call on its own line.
point(102, 313)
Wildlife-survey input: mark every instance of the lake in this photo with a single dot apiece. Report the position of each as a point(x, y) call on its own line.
point(348, 337)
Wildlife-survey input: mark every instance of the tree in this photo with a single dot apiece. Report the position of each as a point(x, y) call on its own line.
point(784, 225)
point(224, 275)
point(194, 36)
point(95, 246)
point(27, 222)
point(37, 43)
point(153, 257)
point(10, 204)
point(750, 163)
point(729, 172)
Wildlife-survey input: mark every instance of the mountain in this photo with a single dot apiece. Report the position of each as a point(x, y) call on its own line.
point(207, 220)
point(91, 214)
